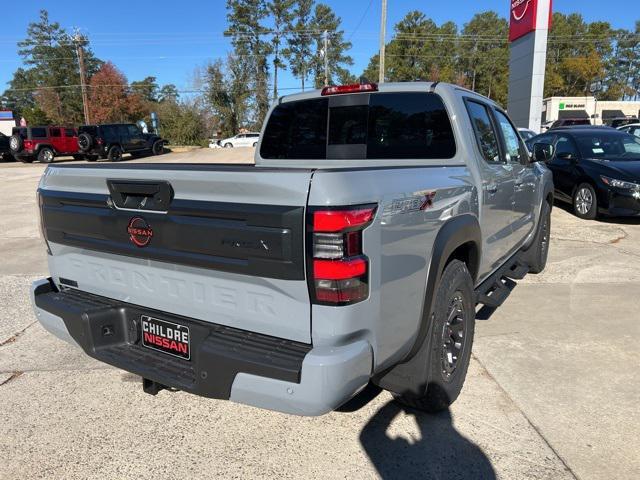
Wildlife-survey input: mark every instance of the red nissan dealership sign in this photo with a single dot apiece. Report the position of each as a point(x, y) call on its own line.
point(524, 15)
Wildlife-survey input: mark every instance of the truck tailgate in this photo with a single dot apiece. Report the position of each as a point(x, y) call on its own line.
point(217, 243)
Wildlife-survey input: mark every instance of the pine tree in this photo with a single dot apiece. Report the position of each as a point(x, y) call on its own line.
point(245, 18)
point(325, 20)
point(299, 43)
point(146, 88)
point(51, 78)
point(281, 11)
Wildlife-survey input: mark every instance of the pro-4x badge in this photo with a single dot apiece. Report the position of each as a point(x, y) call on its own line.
point(140, 232)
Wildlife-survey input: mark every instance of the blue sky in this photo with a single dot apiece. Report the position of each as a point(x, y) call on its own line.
point(168, 39)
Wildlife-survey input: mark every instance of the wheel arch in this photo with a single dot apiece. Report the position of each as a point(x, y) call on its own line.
point(460, 238)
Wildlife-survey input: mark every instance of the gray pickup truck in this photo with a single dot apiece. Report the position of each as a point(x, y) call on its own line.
point(375, 222)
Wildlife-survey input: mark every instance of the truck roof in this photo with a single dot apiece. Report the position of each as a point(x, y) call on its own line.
point(420, 86)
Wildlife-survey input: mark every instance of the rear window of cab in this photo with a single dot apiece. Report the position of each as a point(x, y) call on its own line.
point(402, 125)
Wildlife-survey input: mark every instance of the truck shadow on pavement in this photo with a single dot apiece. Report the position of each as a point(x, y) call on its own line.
point(440, 452)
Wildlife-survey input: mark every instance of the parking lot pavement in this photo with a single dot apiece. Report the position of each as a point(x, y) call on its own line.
point(552, 390)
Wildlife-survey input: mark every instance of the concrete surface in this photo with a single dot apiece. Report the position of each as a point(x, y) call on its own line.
point(552, 390)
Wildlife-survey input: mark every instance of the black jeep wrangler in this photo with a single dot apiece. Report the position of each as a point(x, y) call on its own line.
point(113, 140)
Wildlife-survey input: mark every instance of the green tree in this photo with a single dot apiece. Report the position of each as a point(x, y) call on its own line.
point(300, 41)
point(50, 78)
point(325, 20)
point(419, 50)
point(577, 55)
point(245, 19)
point(227, 94)
point(484, 55)
point(182, 123)
point(282, 14)
point(168, 93)
point(148, 89)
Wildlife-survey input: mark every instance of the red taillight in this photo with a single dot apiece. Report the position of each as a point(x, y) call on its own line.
point(339, 269)
point(338, 220)
point(354, 88)
point(99, 140)
point(28, 144)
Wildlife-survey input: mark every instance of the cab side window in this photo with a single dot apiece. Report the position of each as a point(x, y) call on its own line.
point(514, 149)
point(484, 131)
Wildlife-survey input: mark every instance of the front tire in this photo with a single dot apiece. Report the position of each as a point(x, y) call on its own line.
point(228, 145)
point(451, 339)
point(115, 154)
point(46, 155)
point(585, 202)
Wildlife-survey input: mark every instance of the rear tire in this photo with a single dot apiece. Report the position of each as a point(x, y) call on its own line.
point(158, 147)
point(539, 250)
point(450, 342)
point(585, 202)
point(46, 155)
point(228, 145)
point(115, 154)
point(255, 144)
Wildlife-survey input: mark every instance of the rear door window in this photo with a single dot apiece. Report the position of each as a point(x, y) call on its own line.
point(484, 131)
point(39, 132)
point(55, 132)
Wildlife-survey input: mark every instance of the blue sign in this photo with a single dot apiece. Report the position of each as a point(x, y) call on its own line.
point(6, 115)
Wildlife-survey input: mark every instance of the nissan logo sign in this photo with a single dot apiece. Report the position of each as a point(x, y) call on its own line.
point(140, 232)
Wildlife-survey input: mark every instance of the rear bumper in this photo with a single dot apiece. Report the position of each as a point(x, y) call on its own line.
point(226, 363)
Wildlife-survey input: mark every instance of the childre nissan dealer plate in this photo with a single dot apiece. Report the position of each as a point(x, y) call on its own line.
point(166, 337)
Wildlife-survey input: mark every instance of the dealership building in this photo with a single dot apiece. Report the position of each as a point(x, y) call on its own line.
point(598, 112)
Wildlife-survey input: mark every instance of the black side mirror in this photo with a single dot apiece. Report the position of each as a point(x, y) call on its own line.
point(542, 152)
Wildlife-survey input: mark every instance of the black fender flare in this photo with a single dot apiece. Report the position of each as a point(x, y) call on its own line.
point(411, 374)
point(45, 145)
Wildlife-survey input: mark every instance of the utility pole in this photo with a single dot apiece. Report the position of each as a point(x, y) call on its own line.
point(383, 35)
point(77, 40)
point(325, 37)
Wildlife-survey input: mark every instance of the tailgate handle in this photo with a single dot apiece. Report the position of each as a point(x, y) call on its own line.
point(141, 195)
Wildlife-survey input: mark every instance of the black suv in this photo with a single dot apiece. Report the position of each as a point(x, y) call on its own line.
point(5, 151)
point(113, 140)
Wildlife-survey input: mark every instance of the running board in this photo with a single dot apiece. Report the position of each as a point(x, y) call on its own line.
point(496, 289)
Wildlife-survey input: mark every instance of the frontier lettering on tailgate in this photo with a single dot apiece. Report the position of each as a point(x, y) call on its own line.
point(165, 337)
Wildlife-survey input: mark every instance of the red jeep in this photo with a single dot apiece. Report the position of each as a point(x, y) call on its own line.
point(44, 143)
